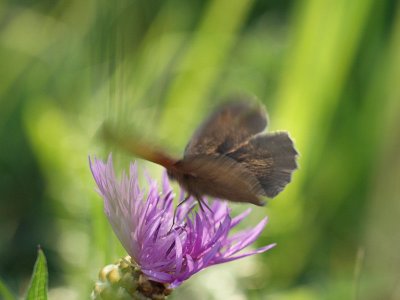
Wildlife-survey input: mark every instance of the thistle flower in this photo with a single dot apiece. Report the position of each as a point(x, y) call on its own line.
point(168, 252)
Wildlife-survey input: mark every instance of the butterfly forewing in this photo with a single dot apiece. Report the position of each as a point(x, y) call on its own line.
point(227, 128)
point(137, 146)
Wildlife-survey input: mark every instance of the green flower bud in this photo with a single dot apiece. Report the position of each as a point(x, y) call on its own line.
point(125, 281)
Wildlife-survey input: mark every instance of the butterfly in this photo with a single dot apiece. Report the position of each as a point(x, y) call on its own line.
point(228, 157)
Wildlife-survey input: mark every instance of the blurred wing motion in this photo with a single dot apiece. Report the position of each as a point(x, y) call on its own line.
point(137, 146)
point(229, 126)
point(262, 162)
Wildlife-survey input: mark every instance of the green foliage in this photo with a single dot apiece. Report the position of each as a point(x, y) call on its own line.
point(5, 293)
point(327, 71)
point(38, 287)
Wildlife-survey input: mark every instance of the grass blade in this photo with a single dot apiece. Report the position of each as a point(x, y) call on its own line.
point(5, 293)
point(38, 287)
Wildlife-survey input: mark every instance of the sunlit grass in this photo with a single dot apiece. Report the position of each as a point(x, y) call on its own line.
point(327, 72)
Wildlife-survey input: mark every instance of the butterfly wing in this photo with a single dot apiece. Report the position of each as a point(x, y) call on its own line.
point(232, 124)
point(221, 177)
point(231, 132)
point(271, 158)
point(137, 146)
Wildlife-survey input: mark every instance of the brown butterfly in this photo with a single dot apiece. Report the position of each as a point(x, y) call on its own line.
point(228, 157)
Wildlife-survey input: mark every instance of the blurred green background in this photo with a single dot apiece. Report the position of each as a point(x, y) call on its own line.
point(327, 71)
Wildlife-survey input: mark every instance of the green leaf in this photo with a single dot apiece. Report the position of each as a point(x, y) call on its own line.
point(5, 293)
point(38, 287)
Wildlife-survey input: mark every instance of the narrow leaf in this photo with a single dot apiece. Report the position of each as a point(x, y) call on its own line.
point(5, 293)
point(38, 287)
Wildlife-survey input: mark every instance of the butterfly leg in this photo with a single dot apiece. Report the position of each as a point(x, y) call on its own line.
point(176, 210)
point(201, 203)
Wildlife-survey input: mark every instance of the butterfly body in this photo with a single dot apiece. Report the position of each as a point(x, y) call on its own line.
point(228, 157)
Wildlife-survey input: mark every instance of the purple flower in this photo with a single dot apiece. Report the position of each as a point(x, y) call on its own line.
point(142, 221)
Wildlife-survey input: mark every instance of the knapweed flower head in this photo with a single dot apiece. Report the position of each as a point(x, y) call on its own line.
point(166, 251)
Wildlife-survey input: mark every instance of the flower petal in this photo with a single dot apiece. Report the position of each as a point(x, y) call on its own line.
point(142, 222)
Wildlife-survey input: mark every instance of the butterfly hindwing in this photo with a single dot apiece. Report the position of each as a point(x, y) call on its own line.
point(271, 158)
